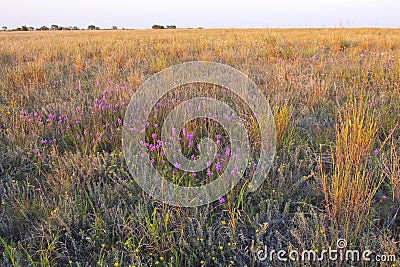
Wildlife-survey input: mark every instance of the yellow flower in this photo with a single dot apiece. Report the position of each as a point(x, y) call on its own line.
point(223, 222)
point(202, 262)
point(161, 258)
point(103, 245)
point(221, 247)
point(116, 264)
point(156, 262)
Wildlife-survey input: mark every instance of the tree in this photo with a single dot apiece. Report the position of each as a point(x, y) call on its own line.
point(43, 28)
point(4, 28)
point(171, 27)
point(91, 27)
point(54, 27)
point(157, 27)
point(75, 28)
point(24, 28)
point(114, 28)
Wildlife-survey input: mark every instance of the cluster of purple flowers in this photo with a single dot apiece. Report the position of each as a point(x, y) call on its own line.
point(89, 122)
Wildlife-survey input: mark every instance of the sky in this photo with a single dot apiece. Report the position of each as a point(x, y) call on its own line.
point(205, 13)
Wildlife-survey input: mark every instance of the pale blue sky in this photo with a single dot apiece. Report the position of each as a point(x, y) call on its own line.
point(204, 13)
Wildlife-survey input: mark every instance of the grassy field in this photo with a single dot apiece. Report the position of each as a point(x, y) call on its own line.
point(67, 198)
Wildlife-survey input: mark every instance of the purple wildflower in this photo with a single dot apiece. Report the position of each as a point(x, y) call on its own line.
point(177, 165)
point(218, 166)
point(235, 170)
point(227, 152)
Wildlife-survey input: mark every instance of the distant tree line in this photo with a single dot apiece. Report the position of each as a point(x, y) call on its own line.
point(54, 27)
point(159, 27)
